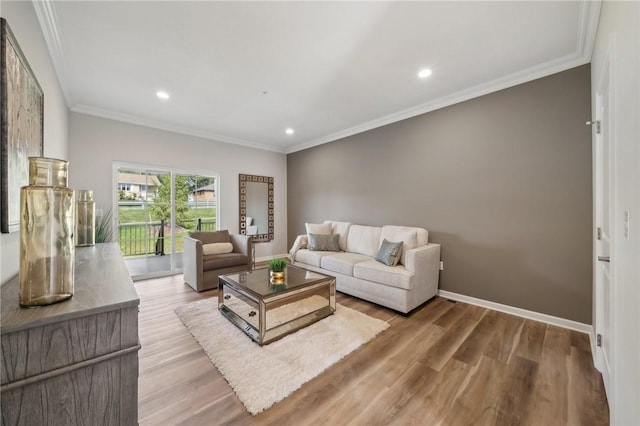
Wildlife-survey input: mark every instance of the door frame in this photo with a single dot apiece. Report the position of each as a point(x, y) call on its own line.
point(173, 172)
point(598, 286)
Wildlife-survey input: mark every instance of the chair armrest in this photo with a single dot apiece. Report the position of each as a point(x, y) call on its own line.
point(242, 244)
point(192, 264)
point(300, 243)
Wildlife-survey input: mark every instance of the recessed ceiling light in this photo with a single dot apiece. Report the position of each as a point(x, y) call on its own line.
point(289, 131)
point(162, 95)
point(425, 73)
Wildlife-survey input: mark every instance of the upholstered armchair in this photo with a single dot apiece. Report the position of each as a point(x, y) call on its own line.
point(209, 254)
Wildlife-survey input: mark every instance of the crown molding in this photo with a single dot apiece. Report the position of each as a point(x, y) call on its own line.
point(514, 79)
point(48, 23)
point(161, 125)
point(588, 27)
point(587, 31)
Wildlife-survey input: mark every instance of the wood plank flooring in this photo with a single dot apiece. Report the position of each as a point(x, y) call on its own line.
point(445, 364)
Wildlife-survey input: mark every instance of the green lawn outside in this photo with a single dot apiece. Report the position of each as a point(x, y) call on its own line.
point(138, 232)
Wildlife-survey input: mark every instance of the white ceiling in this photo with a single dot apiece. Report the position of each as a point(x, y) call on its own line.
point(242, 72)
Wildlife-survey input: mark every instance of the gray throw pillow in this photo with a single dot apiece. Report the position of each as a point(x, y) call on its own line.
point(320, 242)
point(389, 253)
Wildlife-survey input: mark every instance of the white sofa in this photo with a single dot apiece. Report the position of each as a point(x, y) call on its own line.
point(402, 288)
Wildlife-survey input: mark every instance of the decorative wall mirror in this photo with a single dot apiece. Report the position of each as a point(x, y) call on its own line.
point(256, 207)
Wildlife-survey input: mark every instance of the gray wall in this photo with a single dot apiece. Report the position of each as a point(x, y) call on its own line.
point(24, 23)
point(96, 143)
point(502, 181)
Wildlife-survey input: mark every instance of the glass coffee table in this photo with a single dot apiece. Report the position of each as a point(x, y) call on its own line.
point(267, 309)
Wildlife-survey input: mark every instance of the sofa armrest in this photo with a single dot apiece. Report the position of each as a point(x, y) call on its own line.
point(299, 243)
point(192, 264)
point(424, 262)
point(242, 244)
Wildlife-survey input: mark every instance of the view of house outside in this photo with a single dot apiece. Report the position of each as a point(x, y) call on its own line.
point(145, 208)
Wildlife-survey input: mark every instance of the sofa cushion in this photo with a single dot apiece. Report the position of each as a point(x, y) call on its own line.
point(216, 248)
point(364, 240)
point(319, 242)
point(224, 260)
point(342, 229)
point(342, 263)
point(394, 276)
point(421, 233)
point(389, 252)
point(209, 237)
point(311, 257)
point(411, 238)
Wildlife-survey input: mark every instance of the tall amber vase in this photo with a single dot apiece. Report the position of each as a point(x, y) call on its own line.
point(46, 234)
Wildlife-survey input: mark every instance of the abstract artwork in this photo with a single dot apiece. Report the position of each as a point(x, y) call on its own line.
point(21, 126)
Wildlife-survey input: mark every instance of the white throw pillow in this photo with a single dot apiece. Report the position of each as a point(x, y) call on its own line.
point(341, 228)
point(318, 228)
point(216, 248)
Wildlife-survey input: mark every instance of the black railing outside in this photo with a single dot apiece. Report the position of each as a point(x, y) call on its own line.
point(143, 238)
point(206, 224)
point(198, 224)
point(160, 240)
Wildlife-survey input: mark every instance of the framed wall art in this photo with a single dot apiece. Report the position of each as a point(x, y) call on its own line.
point(21, 126)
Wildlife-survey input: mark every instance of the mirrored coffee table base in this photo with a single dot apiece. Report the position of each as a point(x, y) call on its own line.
point(266, 311)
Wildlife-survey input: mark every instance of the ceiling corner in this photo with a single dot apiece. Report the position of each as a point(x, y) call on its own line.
point(48, 24)
point(588, 28)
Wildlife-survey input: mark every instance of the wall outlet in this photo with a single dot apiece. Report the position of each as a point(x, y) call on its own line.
point(441, 265)
point(99, 212)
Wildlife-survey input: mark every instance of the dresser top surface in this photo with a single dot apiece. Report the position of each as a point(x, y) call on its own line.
point(102, 283)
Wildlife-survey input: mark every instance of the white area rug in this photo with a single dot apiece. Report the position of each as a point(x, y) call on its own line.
point(262, 376)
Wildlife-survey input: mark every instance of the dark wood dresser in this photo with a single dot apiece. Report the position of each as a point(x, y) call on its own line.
point(74, 362)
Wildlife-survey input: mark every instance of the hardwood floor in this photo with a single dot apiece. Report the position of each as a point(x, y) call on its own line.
point(445, 364)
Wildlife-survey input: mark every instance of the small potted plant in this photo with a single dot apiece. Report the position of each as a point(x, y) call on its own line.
point(277, 268)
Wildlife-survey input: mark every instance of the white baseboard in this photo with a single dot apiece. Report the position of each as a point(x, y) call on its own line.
point(277, 256)
point(524, 313)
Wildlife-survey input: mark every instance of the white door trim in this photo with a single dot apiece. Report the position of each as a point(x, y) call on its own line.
point(607, 74)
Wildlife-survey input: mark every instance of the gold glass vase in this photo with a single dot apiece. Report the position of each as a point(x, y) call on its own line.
point(46, 234)
point(85, 218)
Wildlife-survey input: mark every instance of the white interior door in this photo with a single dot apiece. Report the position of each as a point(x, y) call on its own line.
point(604, 216)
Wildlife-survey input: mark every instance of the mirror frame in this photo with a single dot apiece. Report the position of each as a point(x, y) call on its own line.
point(244, 178)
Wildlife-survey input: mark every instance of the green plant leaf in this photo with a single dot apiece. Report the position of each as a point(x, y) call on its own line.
point(104, 232)
point(278, 265)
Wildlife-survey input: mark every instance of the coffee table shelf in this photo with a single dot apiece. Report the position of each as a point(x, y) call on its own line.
point(268, 311)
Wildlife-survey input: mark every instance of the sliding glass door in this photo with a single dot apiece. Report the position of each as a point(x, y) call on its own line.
point(157, 207)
